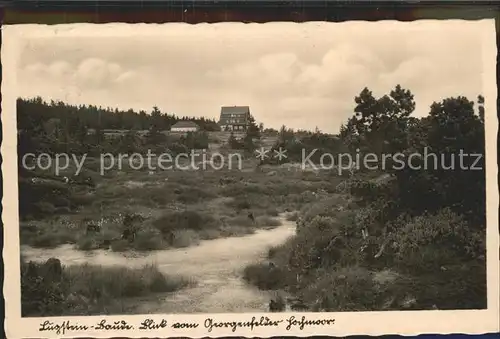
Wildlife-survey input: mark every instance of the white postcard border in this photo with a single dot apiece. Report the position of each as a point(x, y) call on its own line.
point(346, 323)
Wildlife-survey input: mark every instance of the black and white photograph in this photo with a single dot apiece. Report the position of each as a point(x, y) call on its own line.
point(294, 171)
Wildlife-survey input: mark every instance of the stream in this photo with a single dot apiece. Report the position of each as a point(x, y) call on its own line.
point(215, 265)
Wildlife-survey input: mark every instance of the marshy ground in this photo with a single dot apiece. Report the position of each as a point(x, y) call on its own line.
point(194, 234)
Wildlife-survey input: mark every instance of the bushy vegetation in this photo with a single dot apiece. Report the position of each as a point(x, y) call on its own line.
point(172, 213)
point(415, 241)
point(265, 276)
point(49, 289)
point(312, 143)
point(392, 238)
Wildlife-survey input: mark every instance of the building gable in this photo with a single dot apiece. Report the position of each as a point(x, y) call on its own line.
point(185, 124)
point(234, 115)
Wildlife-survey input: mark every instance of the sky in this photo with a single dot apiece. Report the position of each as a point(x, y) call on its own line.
point(302, 75)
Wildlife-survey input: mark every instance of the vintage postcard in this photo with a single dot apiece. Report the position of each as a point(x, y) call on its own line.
point(251, 180)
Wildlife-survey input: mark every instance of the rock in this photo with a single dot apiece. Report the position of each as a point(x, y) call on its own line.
point(53, 269)
point(277, 305)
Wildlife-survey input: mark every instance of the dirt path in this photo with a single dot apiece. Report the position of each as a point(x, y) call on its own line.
point(216, 265)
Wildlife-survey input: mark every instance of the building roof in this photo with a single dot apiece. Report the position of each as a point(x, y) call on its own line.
point(239, 110)
point(185, 124)
point(234, 115)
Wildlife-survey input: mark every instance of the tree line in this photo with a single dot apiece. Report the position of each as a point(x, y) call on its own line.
point(426, 226)
point(385, 125)
point(34, 113)
point(56, 127)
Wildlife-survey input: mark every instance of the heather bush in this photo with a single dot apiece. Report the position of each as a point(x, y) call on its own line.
point(88, 289)
point(428, 242)
point(148, 240)
point(265, 276)
point(185, 220)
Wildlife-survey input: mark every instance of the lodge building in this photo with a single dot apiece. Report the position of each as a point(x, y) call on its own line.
point(234, 118)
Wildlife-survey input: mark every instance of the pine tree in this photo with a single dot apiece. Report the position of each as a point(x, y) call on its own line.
point(253, 129)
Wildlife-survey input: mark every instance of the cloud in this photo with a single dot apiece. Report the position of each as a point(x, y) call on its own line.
point(91, 73)
point(126, 77)
point(59, 69)
point(34, 70)
point(94, 72)
point(302, 75)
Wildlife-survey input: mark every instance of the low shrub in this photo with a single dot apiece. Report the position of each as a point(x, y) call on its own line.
point(265, 221)
point(292, 216)
point(265, 276)
point(185, 238)
point(236, 231)
point(241, 204)
point(50, 238)
point(280, 254)
point(209, 234)
point(271, 211)
point(121, 245)
point(189, 195)
point(436, 240)
point(44, 208)
point(88, 289)
point(86, 244)
point(39, 295)
point(437, 258)
point(350, 289)
point(324, 208)
point(185, 220)
point(96, 282)
point(148, 241)
point(241, 221)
